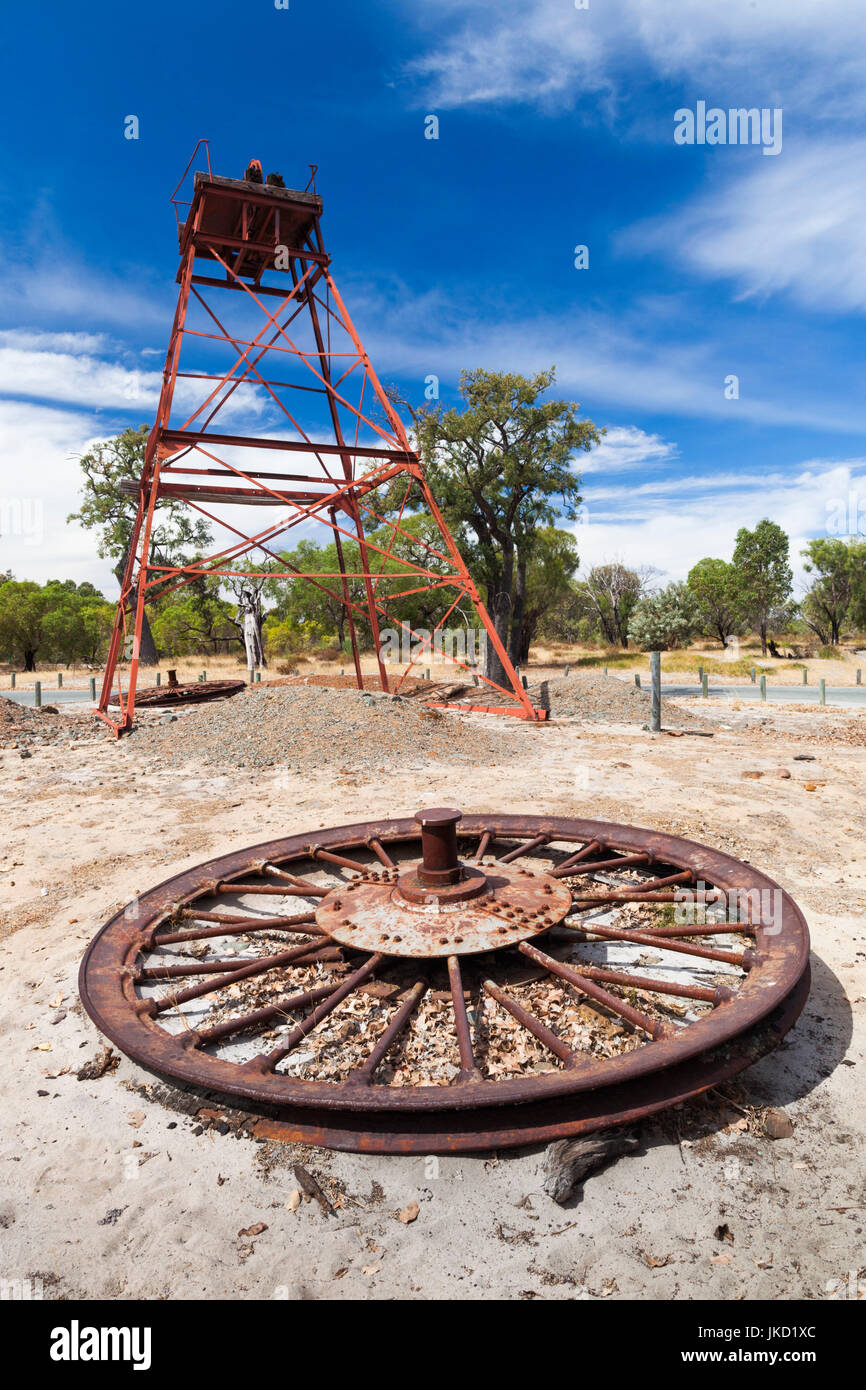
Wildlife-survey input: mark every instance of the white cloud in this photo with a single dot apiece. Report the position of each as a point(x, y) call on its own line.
point(624, 448)
point(39, 488)
point(795, 226)
point(705, 513)
point(546, 52)
point(75, 376)
point(50, 283)
point(34, 340)
point(602, 362)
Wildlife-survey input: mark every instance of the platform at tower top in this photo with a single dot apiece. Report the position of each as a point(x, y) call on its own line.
point(244, 222)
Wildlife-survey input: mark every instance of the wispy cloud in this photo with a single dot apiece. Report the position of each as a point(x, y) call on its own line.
point(794, 227)
point(62, 368)
point(625, 448)
point(607, 363)
point(40, 446)
point(705, 513)
point(547, 53)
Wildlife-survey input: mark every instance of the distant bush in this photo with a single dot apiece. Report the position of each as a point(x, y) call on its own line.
point(664, 620)
point(830, 653)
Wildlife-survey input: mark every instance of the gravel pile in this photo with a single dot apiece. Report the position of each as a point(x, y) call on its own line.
point(591, 695)
point(303, 728)
point(24, 728)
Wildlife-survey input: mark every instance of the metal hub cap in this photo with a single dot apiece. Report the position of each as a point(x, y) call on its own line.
point(441, 907)
point(451, 982)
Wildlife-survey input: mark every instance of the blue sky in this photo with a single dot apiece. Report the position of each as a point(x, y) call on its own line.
point(556, 129)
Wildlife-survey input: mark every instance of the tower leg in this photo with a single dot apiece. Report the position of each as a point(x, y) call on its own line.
point(356, 657)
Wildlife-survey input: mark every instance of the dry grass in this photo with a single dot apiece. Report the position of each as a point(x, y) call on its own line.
point(546, 660)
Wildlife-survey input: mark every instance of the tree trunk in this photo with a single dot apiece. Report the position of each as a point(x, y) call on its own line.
point(500, 603)
point(147, 653)
point(527, 632)
point(763, 637)
point(29, 661)
point(515, 639)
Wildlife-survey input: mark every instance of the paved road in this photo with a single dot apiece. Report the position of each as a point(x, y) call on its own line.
point(49, 697)
point(849, 696)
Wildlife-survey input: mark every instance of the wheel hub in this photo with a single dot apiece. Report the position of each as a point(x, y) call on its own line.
point(440, 906)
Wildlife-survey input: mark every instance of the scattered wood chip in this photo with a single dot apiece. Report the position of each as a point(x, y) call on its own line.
point(136, 1118)
point(569, 1161)
point(778, 1124)
point(409, 1213)
point(253, 1230)
point(311, 1187)
point(724, 1233)
point(294, 1200)
point(105, 1060)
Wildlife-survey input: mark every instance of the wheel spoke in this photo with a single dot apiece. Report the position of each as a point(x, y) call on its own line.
point(380, 852)
point(618, 977)
point(271, 1060)
point(484, 844)
point(601, 996)
point(202, 1037)
point(565, 866)
point(303, 883)
point(628, 894)
point(746, 960)
point(363, 1075)
point(622, 861)
point(288, 890)
point(525, 849)
point(247, 972)
point(302, 922)
point(532, 1024)
point(468, 1070)
point(339, 859)
point(211, 967)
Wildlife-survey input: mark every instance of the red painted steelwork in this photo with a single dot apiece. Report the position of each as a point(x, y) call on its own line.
point(306, 364)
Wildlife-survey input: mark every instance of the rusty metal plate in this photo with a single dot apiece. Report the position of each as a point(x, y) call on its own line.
point(191, 693)
point(512, 905)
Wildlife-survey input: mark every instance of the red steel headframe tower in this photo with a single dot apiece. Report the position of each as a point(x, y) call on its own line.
point(283, 353)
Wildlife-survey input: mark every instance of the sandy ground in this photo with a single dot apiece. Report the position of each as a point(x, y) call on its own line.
point(109, 1191)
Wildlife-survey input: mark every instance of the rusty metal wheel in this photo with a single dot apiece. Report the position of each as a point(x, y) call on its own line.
point(453, 982)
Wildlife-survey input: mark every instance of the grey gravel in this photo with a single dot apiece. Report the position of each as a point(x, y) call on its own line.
point(302, 728)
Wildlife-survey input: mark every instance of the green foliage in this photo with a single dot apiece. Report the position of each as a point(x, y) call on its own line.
point(552, 563)
point(713, 584)
point(195, 619)
point(500, 468)
point(664, 620)
point(58, 621)
point(110, 511)
point(311, 612)
point(763, 574)
point(838, 592)
point(611, 593)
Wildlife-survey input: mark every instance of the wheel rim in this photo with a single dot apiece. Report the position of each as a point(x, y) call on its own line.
point(186, 1024)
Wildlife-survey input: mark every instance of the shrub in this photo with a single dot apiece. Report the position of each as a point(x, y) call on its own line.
point(664, 620)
